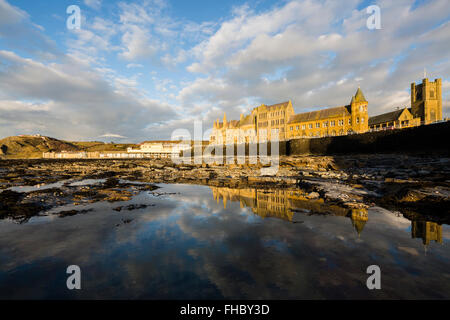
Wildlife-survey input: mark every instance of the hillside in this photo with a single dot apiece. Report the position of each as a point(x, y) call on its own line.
point(26, 146)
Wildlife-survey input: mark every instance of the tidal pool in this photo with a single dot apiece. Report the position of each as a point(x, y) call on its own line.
point(198, 242)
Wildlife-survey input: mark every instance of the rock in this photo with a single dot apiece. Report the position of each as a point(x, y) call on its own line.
point(313, 195)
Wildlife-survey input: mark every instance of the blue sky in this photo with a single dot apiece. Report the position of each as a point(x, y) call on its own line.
point(138, 70)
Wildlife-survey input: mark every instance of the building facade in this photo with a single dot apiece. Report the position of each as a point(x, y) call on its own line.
point(161, 148)
point(264, 123)
point(402, 118)
point(426, 108)
point(279, 122)
point(352, 118)
point(426, 100)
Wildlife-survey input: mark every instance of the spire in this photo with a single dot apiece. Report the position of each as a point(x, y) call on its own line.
point(224, 119)
point(359, 96)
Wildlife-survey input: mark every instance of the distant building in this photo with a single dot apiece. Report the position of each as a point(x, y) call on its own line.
point(426, 108)
point(161, 148)
point(335, 121)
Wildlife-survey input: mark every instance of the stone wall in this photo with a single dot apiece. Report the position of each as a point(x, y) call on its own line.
point(417, 140)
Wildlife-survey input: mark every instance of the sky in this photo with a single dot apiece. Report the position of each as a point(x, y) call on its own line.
point(140, 70)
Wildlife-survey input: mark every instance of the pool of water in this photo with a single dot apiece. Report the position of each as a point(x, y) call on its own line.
point(197, 242)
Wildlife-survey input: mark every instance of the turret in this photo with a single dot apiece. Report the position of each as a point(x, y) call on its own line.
point(359, 115)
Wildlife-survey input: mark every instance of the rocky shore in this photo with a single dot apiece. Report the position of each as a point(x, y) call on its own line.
point(418, 187)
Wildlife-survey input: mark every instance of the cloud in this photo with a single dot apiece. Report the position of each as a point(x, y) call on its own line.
point(324, 60)
point(112, 135)
point(137, 44)
point(94, 4)
point(314, 53)
point(75, 101)
point(18, 32)
point(134, 65)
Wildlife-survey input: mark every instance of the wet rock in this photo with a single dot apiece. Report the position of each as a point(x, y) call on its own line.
point(70, 213)
point(313, 195)
point(132, 207)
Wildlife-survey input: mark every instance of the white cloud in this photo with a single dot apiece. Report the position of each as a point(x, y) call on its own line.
point(77, 102)
point(138, 44)
point(134, 65)
point(112, 135)
point(320, 54)
point(94, 4)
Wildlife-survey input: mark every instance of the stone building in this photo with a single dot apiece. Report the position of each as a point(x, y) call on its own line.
point(401, 118)
point(426, 108)
point(264, 123)
point(279, 122)
point(426, 100)
point(352, 118)
point(161, 148)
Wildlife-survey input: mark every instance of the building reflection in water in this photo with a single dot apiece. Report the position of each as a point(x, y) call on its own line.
point(427, 231)
point(283, 204)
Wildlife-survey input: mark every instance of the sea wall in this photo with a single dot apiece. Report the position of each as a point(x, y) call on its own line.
point(417, 140)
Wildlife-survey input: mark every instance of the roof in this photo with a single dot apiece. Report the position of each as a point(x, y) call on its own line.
point(320, 114)
point(163, 141)
point(386, 117)
point(279, 105)
point(282, 105)
point(247, 120)
point(359, 96)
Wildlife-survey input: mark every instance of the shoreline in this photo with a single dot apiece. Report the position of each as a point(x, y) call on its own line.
point(417, 186)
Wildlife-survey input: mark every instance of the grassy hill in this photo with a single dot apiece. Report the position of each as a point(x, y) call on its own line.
point(27, 147)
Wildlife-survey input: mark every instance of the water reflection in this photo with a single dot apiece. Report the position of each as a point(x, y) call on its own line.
point(212, 243)
point(283, 204)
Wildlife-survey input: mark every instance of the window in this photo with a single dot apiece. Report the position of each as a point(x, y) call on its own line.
point(362, 119)
point(310, 126)
point(357, 119)
point(296, 128)
point(325, 124)
point(304, 126)
point(349, 121)
point(317, 124)
point(292, 128)
point(431, 94)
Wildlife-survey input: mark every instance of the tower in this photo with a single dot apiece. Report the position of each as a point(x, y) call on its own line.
point(426, 100)
point(359, 116)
